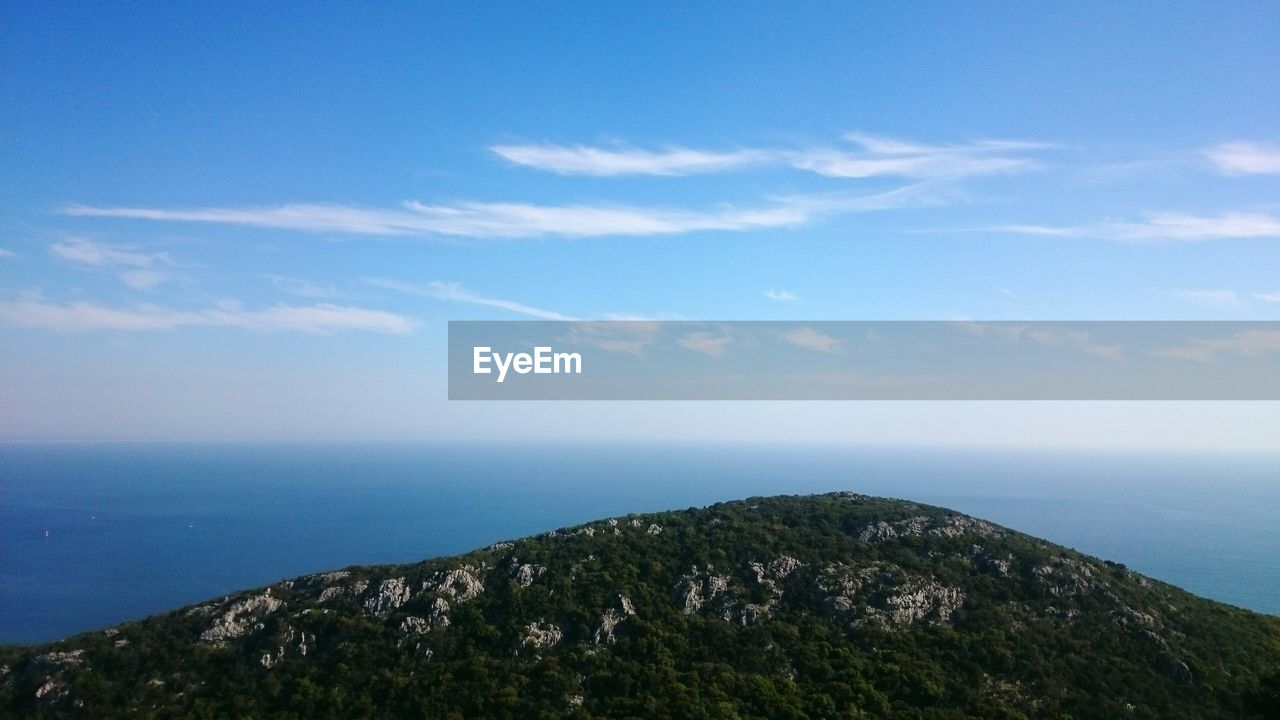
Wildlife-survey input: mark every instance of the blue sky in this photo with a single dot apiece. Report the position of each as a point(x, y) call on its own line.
point(223, 223)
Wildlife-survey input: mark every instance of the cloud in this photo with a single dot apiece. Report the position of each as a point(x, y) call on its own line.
point(455, 292)
point(705, 343)
point(810, 339)
point(1268, 297)
point(136, 269)
point(876, 157)
point(1075, 339)
point(86, 316)
point(629, 337)
point(5, 253)
point(145, 279)
point(781, 295)
point(1213, 299)
point(523, 220)
point(1045, 336)
point(1246, 158)
point(1247, 343)
point(304, 288)
point(1164, 226)
point(624, 160)
point(888, 157)
point(476, 220)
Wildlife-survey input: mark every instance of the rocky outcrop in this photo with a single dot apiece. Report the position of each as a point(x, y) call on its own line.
point(354, 590)
point(413, 625)
point(238, 617)
point(526, 573)
point(888, 596)
point(324, 579)
point(1067, 576)
point(949, 527)
point(438, 618)
point(300, 648)
point(918, 600)
point(389, 595)
point(540, 635)
point(699, 587)
point(610, 620)
point(461, 584)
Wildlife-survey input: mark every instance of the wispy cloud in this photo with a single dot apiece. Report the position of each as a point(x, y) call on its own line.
point(138, 270)
point(1246, 158)
point(476, 220)
point(1054, 337)
point(811, 339)
point(781, 295)
point(1074, 339)
point(87, 316)
point(1157, 227)
point(524, 220)
point(625, 160)
point(871, 156)
point(5, 253)
point(1212, 299)
point(1268, 297)
point(706, 343)
point(455, 292)
point(1247, 343)
point(304, 288)
point(888, 157)
point(629, 337)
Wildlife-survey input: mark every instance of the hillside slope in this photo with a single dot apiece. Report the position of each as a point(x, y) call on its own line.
point(790, 607)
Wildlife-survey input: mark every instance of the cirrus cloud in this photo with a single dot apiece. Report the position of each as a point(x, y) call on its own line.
point(1246, 158)
point(88, 316)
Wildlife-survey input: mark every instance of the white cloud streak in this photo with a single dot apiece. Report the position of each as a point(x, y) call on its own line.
point(781, 295)
point(136, 269)
point(1160, 227)
point(1246, 158)
point(623, 160)
point(303, 288)
point(476, 220)
point(875, 157)
point(523, 220)
point(314, 319)
point(455, 292)
point(1268, 297)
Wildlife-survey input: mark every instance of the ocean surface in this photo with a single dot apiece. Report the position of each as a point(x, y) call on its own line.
point(94, 534)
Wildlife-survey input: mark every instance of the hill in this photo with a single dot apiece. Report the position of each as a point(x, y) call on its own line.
point(836, 606)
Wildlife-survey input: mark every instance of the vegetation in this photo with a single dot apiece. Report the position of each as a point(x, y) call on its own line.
point(834, 606)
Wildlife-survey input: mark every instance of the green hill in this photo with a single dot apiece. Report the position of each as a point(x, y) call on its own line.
point(835, 606)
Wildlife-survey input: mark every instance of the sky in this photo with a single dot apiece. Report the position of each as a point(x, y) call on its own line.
point(222, 222)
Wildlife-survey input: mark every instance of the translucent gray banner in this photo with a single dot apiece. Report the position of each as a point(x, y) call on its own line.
point(962, 360)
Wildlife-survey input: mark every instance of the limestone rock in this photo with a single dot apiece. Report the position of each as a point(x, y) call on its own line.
point(239, 617)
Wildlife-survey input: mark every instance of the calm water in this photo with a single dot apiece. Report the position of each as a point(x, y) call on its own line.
point(139, 528)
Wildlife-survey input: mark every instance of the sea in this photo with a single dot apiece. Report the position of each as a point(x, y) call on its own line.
point(95, 534)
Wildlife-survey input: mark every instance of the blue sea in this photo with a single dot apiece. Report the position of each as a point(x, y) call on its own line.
point(95, 534)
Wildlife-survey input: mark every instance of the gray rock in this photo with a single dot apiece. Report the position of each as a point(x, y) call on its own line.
point(239, 617)
point(390, 595)
point(540, 635)
point(461, 583)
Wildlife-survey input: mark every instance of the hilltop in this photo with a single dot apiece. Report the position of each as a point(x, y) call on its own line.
point(830, 606)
